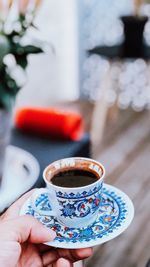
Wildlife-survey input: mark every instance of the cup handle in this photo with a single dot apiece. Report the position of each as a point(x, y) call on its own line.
point(34, 197)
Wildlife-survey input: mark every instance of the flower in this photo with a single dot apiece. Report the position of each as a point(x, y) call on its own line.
point(70, 234)
point(37, 3)
point(86, 232)
point(97, 201)
point(68, 210)
point(90, 200)
point(95, 204)
point(23, 5)
point(56, 227)
point(13, 31)
point(5, 6)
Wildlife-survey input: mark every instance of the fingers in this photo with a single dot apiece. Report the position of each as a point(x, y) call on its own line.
point(82, 253)
point(44, 248)
point(25, 228)
point(75, 254)
point(14, 210)
point(50, 257)
point(64, 256)
point(63, 263)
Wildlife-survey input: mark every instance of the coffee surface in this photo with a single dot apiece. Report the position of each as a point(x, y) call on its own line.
point(74, 178)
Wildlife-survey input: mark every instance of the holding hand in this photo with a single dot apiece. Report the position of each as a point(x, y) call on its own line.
point(21, 242)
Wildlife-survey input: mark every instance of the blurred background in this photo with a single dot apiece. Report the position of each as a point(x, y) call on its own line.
point(88, 68)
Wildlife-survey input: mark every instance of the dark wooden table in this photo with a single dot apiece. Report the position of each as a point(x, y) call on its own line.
point(126, 156)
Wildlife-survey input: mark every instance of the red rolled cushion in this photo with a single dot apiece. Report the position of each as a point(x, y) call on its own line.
point(50, 122)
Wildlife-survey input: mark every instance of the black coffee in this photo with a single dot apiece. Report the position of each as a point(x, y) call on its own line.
point(74, 178)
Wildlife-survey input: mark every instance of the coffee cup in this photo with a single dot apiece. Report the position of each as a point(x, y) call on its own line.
point(74, 188)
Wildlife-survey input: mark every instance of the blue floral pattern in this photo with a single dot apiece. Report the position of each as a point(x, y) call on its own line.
point(80, 208)
point(79, 204)
point(112, 214)
point(43, 203)
point(79, 195)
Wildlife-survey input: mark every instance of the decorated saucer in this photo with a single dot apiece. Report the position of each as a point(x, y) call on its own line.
point(115, 215)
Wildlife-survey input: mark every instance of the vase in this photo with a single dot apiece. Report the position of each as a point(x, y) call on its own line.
point(5, 130)
point(133, 46)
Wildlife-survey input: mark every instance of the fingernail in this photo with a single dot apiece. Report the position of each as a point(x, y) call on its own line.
point(50, 234)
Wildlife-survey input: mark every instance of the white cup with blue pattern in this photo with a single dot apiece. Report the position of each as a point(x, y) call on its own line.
point(77, 205)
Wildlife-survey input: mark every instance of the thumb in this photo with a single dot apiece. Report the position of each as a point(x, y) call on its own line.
point(25, 228)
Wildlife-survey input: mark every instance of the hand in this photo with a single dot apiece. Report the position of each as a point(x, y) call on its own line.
point(21, 238)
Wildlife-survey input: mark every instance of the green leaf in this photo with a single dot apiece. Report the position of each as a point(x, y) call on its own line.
point(4, 48)
point(21, 52)
point(8, 89)
point(30, 49)
point(21, 60)
point(6, 99)
point(34, 26)
point(12, 86)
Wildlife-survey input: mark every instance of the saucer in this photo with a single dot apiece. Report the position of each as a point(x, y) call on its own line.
point(115, 215)
point(21, 171)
